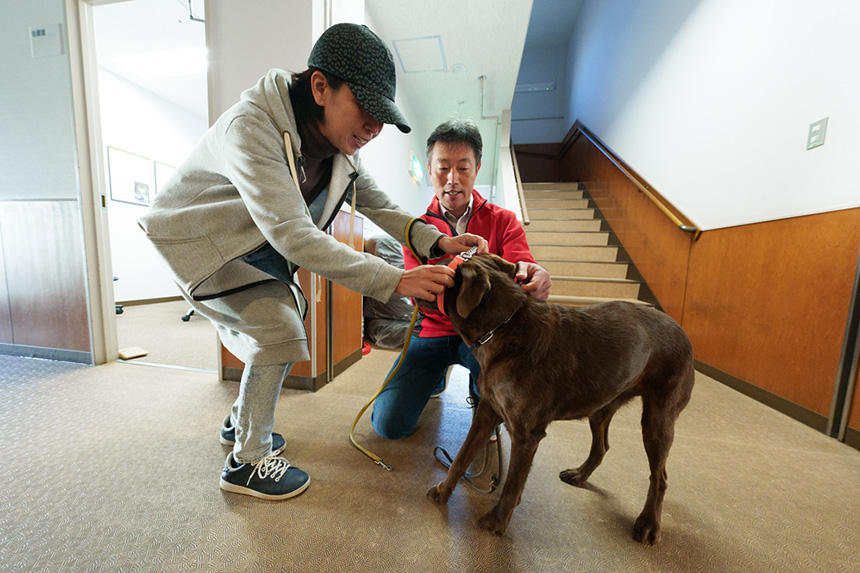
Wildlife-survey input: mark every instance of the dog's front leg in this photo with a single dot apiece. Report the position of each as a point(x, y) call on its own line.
point(485, 421)
point(523, 448)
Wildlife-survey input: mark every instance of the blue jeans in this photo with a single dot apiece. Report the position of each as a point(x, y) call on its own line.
point(397, 409)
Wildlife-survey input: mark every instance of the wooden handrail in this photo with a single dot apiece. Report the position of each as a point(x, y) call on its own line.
point(686, 226)
point(522, 197)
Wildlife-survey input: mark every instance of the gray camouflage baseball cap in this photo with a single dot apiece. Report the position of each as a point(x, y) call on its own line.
point(353, 53)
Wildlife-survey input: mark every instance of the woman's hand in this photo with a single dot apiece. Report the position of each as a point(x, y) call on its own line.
point(460, 243)
point(425, 281)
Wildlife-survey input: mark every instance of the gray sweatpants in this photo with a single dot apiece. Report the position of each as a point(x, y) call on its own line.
point(255, 325)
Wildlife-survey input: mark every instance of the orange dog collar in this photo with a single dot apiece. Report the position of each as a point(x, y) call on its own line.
point(455, 262)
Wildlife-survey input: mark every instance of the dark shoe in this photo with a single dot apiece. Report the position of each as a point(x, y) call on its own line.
point(228, 437)
point(270, 478)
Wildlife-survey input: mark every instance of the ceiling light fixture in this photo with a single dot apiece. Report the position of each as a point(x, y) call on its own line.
point(415, 170)
point(535, 87)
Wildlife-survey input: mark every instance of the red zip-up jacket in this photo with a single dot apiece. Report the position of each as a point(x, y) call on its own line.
point(505, 237)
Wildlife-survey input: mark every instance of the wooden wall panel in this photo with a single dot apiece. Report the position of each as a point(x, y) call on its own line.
point(229, 360)
point(305, 368)
point(347, 313)
point(658, 248)
point(768, 303)
point(44, 264)
point(346, 322)
point(538, 162)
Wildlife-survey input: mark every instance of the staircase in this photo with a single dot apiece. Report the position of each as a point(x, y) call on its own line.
point(569, 238)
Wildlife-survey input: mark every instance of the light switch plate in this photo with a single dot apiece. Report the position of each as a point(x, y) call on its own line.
point(46, 41)
point(817, 131)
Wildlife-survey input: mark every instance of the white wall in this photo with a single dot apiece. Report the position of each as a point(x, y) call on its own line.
point(711, 101)
point(539, 117)
point(137, 121)
point(388, 157)
point(238, 58)
point(37, 140)
point(245, 40)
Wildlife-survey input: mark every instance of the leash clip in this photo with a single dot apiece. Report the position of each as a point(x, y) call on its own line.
point(466, 255)
point(383, 464)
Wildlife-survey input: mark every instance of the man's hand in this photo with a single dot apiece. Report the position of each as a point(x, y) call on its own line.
point(535, 279)
point(425, 281)
point(460, 243)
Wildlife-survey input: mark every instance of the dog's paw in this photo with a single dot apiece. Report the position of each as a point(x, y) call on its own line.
point(492, 524)
point(438, 494)
point(573, 477)
point(647, 530)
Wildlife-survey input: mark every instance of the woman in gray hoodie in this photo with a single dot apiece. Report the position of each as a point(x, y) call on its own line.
point(250, 205)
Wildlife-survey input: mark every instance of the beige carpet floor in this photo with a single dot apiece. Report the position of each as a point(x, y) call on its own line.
point(115, 468)
point(158, 329)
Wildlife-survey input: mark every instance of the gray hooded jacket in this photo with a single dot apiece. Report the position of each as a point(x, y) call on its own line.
point(235, 193)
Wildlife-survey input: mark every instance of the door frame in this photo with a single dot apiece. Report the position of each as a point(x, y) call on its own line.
point(91, 183)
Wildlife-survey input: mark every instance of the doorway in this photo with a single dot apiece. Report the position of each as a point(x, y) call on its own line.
point(150, 65)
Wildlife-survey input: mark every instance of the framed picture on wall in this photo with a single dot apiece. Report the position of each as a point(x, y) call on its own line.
point(131, 177)
point(163, 171)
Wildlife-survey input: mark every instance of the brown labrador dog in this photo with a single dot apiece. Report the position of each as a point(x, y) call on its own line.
point(543, 361)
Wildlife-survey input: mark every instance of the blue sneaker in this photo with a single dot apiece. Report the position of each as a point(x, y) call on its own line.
point(270, 478)
point(228, 437)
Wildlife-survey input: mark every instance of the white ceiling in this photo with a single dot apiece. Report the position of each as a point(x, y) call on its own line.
point(457, 40)
point(476, 37)
point(146, 42)
point(551, 22)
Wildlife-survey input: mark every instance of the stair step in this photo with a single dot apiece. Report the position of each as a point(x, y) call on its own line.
point(595, 238)
point(556, 214)
point(589, 300)
point(574, 252)
point(595, 287)
point(553, 185)
point(552, 194)
point(543, 225)
point(556, 203)
point(584, 268)
point(567, 238)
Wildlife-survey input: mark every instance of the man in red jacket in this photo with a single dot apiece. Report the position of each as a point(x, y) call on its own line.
point(453, 161)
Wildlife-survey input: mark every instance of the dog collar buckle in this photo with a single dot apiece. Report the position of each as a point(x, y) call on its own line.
point(486, 338)
point(455, 262)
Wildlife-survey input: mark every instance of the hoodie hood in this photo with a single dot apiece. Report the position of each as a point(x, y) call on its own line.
point(271, 93)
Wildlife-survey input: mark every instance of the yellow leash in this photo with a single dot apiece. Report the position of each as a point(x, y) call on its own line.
point(376, 459)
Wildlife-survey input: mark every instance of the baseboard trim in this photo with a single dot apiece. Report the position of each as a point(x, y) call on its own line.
point(148, 301)
point(852, 438)
point(778, 403)
point(47, 353)
point(291, 381)
point(305, 382)
point(346, 363)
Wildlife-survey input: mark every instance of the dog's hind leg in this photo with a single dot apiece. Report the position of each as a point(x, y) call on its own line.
point(599, 422)
point(658, 431)
point(523, 448)
point(483, 424)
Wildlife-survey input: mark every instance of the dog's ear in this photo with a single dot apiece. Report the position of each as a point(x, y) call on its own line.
point(475, 284)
